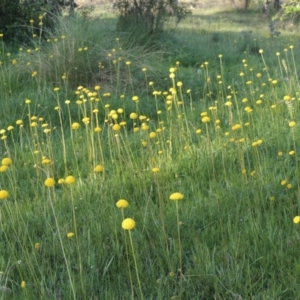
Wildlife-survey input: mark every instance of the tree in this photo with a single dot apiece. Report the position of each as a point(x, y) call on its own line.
point(149, 14)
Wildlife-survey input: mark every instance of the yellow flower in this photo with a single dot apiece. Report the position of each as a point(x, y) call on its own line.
point(86, 120)
point(152, 135)
point(296, 219)
point(70, 179)
point(97, 129)
point(122, 203)
point(19, 122)
point(46, 161)
point(116, 127)
point(99, 169)
point(75, 126)
point(128, 224)
point(176, 196)
point(135, 98)
point(292, 152)
point(205, 119)
point(70, 234)
point(37, 246)
point(6, 161)
point(280, 153)
point(23, 284)
point(155, 170)
point(3, 194)
point(3, 169)
point(49, 182)
point(291, 124)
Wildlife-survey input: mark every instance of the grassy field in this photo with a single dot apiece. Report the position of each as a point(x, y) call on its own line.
point(163, 168)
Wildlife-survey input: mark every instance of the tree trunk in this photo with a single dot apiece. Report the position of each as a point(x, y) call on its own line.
point(246, 5)
point(276, 5)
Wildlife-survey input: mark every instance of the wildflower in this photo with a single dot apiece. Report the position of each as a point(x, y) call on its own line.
point(75, 126)
point(23, 284)
point(6, 161)
point(97, 129)
point(70, 234)
point(155, 170)
point(49, 182)
point(3, 169)
point(283, 182)
point(70, 179)
point(46, 161)
point(236, 127)
point(205, 119)
point(99, 169)
point(289, 186)
point(261, 51)
point(86, 120)
point(176, 196)
point(122, 203)
point(296, 219)
point(292, 124)
point(135, 98)
point(292, 152)
point(279, 153)
point(3, 194)
point(152, 135)
point(37, 246)
point(128, 224)
point(116, 127)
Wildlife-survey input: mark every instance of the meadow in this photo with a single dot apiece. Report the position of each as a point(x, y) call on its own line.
point(151, 168)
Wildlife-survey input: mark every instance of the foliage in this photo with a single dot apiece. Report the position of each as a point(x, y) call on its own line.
point(15, 16)
point(150, 15)
point(290, 11)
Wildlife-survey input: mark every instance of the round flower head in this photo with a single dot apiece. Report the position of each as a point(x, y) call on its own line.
point(70, 234)
point(3, 194)
point(70, 180)
point(122, 203)
point(99, 169)
point(155, 169)
point(296, 220)
point(75, 126)
point(6, 161)
point(49, 182)
point(205, 119)
point(3, 169)
point(176, 196)
point(128, 224)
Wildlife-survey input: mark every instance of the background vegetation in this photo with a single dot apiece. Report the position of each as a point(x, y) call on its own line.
point(196, 128)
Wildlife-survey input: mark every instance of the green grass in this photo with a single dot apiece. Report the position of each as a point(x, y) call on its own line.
point(231, 236)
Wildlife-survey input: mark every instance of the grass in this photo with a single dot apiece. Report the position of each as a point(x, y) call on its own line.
point(211, 116)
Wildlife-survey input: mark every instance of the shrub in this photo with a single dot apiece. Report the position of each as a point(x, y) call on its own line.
point(148, 15)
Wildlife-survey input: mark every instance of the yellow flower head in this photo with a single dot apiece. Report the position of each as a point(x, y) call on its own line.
point(122, 203)
point(3, 169)
point(75, 126)
point(155, 170)
point(291, 124)
point(23, 284)
point(296, 220)
point(37, 246)
point(128, 224)
point(70, 234)
point(3, 194)
point(70, 179)
point(176, 196)
point(99, 169)
point(205, 119)
point(6, 161)
point(49, 182)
